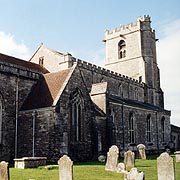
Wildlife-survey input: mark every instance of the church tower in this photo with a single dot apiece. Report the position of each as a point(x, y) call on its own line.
point(131, 51)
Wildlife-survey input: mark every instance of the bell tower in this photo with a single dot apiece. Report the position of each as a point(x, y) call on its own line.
point(131, 51)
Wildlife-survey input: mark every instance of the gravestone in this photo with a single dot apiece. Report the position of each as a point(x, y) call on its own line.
point(141, 150)
point(65, 168)
point(165, 167)
point(129, 159)
point(101, 158)
point(177, 153)
point(112, 158)
point(121, 168)
point(4, 171)
point(134, 175)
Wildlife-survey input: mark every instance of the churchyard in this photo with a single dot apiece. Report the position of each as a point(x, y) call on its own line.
point(157, 167)
point(90, 171)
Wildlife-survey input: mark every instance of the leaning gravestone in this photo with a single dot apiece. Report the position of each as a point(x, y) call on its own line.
point(4, 171)
point(112, 158)
point(65, 168)
point(134, 175)
point(165, 167)
point(141, 150)
point(129, 158)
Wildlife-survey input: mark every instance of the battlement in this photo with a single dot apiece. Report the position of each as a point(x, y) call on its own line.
point(107, 72)
point(130, 27)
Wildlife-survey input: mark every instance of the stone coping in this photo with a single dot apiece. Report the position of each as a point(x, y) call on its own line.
point(31, 158)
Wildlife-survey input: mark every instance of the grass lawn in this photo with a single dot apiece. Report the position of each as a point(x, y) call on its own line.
point(88, 171)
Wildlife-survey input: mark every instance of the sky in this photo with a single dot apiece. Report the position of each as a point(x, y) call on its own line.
point(77, 27)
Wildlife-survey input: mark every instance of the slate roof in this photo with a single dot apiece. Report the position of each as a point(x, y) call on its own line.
point(139, 104)
point(47, 90)
point(10, 60)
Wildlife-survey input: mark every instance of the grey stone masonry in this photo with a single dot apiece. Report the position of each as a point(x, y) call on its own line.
point(129, 158)
point(65, 168)
point(112, 158)
point(4, 171)
point(165, 167)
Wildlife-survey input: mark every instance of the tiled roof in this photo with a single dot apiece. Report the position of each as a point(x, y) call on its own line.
point(22, 63)
point(47, 89)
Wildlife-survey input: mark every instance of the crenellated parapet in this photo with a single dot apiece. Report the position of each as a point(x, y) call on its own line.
point(141, 23)
point(106, 72)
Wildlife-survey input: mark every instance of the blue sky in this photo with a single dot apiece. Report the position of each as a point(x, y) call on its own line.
point(77, 26)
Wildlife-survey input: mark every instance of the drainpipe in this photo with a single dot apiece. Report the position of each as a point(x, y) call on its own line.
point(157, 131)
point(16, 116)
point(122, 109)
point(33, 135)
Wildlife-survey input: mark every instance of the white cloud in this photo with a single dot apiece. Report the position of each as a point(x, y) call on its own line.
point(9, 46)
point(168, 54)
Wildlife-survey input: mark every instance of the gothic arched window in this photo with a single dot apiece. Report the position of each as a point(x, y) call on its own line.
point(163, 128)
point(131, 128)
point(148, 126)
point(76, 116)
point(121, 49)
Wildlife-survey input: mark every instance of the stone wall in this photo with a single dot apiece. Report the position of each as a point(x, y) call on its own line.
point(13, 90)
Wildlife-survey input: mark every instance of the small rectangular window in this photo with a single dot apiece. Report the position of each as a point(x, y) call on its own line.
point(41, 61)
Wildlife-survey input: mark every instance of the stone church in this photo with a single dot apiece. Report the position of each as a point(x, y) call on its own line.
point(55, 104)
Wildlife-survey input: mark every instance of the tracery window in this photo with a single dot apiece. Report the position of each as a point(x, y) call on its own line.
point(121, 49)
point(148, 126)
point(131, 128)
point(76, 116)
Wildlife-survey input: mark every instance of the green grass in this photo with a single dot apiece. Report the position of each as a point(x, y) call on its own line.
point(88, 171)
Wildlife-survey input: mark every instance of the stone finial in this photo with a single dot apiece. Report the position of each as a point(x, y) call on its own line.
point(141, 150)
point(4, 171)
point(65, 168)
point(129, 159)
point(165, 167)
point(112, 158)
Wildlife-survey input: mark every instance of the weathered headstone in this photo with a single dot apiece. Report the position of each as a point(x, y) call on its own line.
point(177, 153)
point(4, 171)
point(65, 168)
point(129, 159)
point(134, 175)
point(101, 158)
point(141, 150)
point(121, 168)
point(165, 167)
point(112, 158)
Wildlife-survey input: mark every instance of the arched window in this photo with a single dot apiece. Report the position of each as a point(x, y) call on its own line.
point(136, 93)
point(76, 115)
point(121, 49)
point(163, 128)
point(131, 128)
point(148, 126)
point(120, 90)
